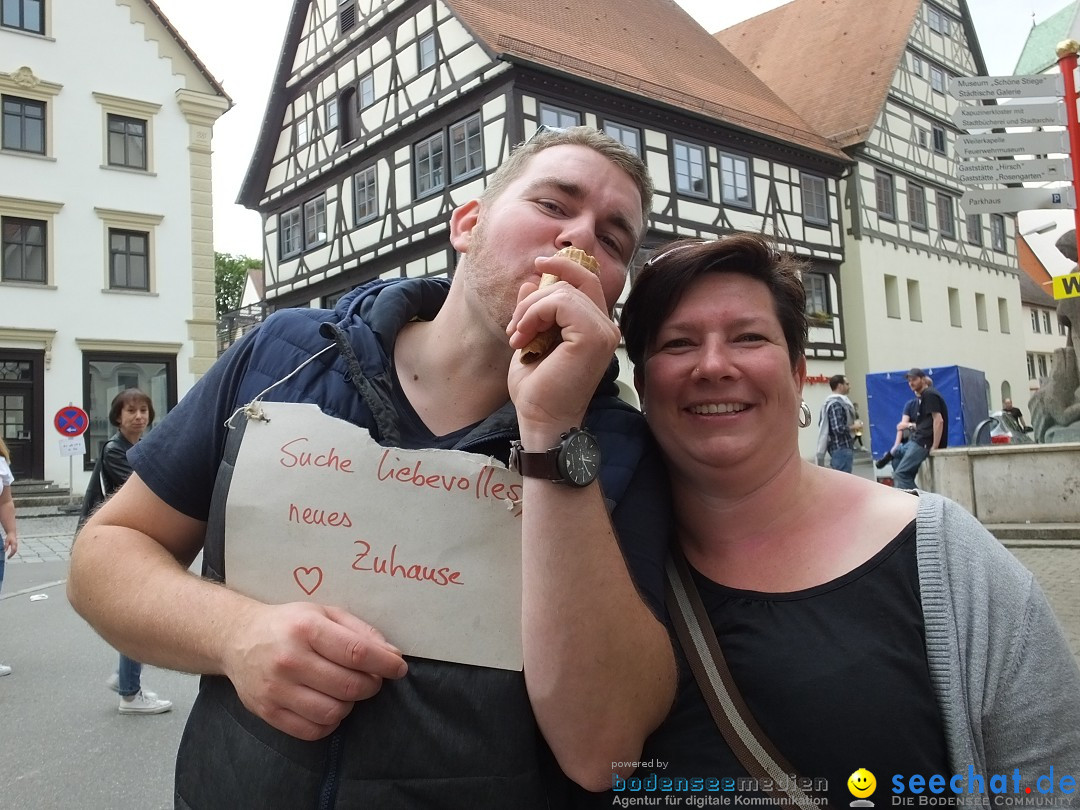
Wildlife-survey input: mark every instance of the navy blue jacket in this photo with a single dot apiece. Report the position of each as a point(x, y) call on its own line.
point(447, 735)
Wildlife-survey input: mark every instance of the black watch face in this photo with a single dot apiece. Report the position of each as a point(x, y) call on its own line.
point(580, 459)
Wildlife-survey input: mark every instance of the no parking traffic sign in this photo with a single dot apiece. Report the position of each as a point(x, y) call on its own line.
point(71, 421)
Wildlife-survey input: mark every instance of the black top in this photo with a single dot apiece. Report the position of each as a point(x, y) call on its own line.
point(836, 676)
point(931, 402)
point(115, 462)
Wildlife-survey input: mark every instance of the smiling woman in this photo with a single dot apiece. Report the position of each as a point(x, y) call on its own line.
point(838, 609)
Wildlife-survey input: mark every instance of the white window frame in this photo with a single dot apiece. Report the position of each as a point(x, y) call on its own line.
point(43, 8)
point(137, 222)
point(558, 117)
point(918, 64)
point(997, 232)
point(885, 191)
point(366, 195)
point(730, 176)
point(128, 235)
point(688, 181)
point(916, 200)
point(290, 233)
point(628, 136)
point(25, 86)
point(127, 108)
point(946, 214)
point(330, 114)
point(430, 172)
point(303, 133)
point(466, 146)
point(973, 227)
point(426, 52)
point(940, 135)
point(939, 79)
point(817, 292)
point(365, 91)
point(938, 20)
point(314, 217)
point(26, 221)
point(815, 199)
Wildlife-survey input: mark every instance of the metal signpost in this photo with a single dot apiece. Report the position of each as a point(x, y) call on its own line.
point(1017, 199)
point(1008, 144)
point(1045, 85)
point(71, 423)
point(1010, 115)
point(983, 147)
point(1014, 171)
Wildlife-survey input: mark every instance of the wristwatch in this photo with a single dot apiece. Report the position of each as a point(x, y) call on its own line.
point(574, 461)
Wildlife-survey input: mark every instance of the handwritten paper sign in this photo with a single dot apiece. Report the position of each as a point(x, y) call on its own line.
point(73, 447)
point(425, 545)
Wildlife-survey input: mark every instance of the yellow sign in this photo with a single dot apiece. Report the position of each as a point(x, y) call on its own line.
point(1067, 286)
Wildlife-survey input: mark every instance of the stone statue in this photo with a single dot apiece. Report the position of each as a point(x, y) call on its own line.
point(1055, 407)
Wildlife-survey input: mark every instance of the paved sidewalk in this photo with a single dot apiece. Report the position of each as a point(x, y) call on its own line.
point(44, 536)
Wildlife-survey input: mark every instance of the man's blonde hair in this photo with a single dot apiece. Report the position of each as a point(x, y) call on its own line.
point(594, 139)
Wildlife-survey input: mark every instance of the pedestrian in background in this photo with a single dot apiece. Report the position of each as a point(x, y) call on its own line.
point(931, 429)
point(904, 429)
point(131, 413)
point(838, 424)
point(7, 520)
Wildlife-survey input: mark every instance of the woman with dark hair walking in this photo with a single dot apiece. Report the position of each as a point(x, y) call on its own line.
point(131, 413)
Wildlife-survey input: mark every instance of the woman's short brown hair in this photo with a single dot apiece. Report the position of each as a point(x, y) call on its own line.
point(134, 396)
point(666, 277)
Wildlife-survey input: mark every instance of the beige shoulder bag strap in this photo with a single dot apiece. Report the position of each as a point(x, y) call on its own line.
point(732, 716)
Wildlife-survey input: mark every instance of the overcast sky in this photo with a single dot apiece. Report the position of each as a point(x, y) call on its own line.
point(239, 41)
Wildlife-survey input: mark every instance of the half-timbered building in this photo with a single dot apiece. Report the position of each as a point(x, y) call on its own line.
point(924, 283)
point(384, 116)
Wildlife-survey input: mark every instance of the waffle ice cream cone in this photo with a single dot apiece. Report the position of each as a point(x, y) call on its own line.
point(546, 341)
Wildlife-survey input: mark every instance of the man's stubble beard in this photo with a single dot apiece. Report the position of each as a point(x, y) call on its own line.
point(482, 279)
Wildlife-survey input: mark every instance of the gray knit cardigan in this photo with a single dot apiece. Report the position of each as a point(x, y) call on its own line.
point(1006, 682)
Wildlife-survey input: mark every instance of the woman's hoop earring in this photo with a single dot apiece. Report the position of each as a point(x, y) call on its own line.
point(805, 416)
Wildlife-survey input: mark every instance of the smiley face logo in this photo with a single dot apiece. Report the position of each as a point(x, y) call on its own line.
point(861, 783)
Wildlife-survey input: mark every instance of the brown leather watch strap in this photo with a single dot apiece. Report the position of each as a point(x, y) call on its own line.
point(541, 464)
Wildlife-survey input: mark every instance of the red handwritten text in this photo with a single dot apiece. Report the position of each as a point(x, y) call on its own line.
point(293, 456)
point(391, 567)
point(481, 485)
point(318, 517)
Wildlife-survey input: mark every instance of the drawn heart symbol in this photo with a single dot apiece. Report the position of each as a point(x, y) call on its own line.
point(303, 575)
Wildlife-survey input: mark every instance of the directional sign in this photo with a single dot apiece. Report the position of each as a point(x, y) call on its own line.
point(1006, 144)
point(1067, 286)
point(967, 88)
point(968, 116)
point(1017, 199)
point(71, 421)
point(1014, 171)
